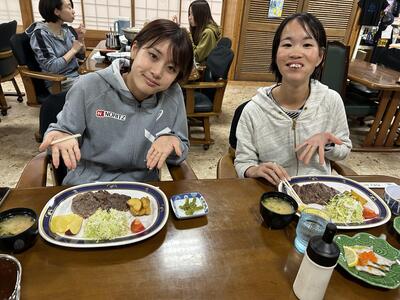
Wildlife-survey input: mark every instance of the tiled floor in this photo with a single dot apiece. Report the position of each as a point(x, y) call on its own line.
point(17, 143)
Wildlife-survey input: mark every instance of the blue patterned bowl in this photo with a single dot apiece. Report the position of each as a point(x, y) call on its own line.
point(392, 198)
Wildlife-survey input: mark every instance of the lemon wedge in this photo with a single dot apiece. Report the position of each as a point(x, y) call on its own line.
point(351, 256)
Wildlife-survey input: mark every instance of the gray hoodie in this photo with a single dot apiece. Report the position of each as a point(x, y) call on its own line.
point(49, 49)
point(117, 130)
point(266, 134)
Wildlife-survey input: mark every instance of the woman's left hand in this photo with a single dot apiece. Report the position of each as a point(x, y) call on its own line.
point(162, 147)
point(317, 141)
point(81, 30)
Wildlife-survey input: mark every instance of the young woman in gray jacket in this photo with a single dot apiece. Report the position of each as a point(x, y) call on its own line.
point(298, 125)
point(130, 122)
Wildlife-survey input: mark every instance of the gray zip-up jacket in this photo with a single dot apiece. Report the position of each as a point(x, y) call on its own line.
point(117, 130)
point(266, 134)
point(49, 49)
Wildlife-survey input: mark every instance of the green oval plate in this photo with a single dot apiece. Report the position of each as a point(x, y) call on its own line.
point(396, 224)
point(381, 247)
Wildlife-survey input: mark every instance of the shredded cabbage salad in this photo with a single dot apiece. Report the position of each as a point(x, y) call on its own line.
point(343, 208)
point(106, 225)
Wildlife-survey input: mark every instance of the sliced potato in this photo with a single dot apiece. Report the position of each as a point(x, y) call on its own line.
point(359, 198)
point(70, 223)
point(58, 224)
point(139, 207)
point(76, 224)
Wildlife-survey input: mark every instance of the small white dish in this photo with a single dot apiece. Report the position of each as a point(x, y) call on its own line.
point(180, 199)
point(114, 55)
point(99, 59)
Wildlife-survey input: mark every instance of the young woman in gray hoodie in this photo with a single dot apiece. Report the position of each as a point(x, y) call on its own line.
point(130, 122)
point(298, 125)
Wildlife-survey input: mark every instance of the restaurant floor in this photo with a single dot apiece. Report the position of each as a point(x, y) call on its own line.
point(18, 146)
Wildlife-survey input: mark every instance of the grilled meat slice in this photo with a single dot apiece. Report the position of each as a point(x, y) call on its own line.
point(315, 193)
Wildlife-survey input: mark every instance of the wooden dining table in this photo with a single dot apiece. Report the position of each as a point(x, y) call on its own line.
point(228, 254)
point(383, 134)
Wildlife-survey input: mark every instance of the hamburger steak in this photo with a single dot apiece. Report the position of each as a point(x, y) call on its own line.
point(86, 204)
point(315, 193)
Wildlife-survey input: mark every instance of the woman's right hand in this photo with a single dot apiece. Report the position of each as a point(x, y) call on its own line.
point(77, 46)
point(69, 149)
point(175, 19)
point(271, 171)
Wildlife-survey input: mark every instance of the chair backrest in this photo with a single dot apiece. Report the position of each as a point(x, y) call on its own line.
point(6, 32)
point(8, 64)
point(217, 64)
point(219, 60)
point(235, 120)
point(334, 72)
point(20, 44)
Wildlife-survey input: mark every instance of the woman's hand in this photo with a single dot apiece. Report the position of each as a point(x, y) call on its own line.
point(175, 19)
point(69, 150)
point(394, 46)
point(162, 147)
point(81, 31)
point(76, 46)
point(271, 171)
point(317, 142)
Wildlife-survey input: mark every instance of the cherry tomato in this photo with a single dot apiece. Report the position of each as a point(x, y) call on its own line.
point(137, 226)
point(369, 213)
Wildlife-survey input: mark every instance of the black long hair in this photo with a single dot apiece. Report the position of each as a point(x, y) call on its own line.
point(313, 27)
point(202, 17)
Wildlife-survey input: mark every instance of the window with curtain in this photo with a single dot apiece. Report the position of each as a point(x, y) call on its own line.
point(101, 14)
point(10, 10)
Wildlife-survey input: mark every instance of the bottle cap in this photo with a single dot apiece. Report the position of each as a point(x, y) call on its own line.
point(322, 250)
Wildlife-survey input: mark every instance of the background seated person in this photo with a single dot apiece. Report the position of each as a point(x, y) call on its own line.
point(298, 125)
point(54, 44)
point(205, 32)
point(131, 122)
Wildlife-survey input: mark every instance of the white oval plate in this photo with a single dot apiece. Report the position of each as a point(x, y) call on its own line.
point(60, 204)
point(345, 184)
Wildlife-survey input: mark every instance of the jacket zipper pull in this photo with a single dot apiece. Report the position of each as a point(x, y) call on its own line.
point(294, 125)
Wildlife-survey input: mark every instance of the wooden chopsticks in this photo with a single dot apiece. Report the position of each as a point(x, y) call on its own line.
point(292, 192)
point(74, 136)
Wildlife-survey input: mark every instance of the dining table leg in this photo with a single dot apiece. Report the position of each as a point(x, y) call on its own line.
point(383, 103)
point(387, 122)
point(390, 141)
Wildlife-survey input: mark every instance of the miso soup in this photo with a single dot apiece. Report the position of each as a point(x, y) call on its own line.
point(278, 205)
point(15, 224)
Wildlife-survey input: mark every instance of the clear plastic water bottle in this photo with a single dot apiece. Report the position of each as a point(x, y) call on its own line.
point(317, 266)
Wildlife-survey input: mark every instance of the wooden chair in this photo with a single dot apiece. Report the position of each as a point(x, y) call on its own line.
point(8, 64)
point(204, 99)
point(226, 168)
point(34, 173)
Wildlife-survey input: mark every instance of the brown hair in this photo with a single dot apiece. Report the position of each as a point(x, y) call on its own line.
point(181, 46)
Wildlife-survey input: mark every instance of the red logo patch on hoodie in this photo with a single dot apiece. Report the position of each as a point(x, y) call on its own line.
point(100, 113)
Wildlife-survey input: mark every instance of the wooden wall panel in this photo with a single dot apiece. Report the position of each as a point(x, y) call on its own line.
point(336, 16)
point(231, 23)
point(256, 37)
